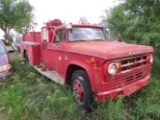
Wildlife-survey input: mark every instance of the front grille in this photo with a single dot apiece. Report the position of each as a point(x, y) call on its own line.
point(130, 78)
point(138, 75)
point(131, 63)
point(118, 82)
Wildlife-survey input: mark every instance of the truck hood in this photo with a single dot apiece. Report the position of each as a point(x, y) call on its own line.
point(107, 49)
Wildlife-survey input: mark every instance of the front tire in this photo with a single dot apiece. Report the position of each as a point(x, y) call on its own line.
point(82, 89)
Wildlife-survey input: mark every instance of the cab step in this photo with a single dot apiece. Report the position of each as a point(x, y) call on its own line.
point(52, 75)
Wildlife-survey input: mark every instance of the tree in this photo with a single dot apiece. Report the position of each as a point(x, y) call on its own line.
point(14, 14)
point(137, 21)
point(26, 28)
point(115, 20)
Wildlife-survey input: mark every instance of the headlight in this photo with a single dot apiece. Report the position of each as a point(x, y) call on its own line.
point(112, 69)
point(5, 67)
point(151, 59)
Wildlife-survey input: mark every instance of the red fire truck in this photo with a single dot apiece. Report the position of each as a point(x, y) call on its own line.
point(81, 56)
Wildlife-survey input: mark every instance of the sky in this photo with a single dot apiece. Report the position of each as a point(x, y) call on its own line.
point(69, 10)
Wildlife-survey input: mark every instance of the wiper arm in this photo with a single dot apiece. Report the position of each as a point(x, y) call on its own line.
point(98, 39)
point(80, 40)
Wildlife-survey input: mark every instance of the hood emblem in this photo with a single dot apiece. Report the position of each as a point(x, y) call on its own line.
point(136, 52)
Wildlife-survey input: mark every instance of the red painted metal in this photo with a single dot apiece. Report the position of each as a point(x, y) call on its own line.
point(55, 22)
point(123, 91)
point(69, 56)
point(32, 36)
point(32, 49)
point(79, 91)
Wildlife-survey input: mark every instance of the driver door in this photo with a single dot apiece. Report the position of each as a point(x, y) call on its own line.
point(56, 51)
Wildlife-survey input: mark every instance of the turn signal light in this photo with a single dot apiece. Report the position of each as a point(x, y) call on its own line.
point(150, 59)
point(93, 60)
point(118, 66)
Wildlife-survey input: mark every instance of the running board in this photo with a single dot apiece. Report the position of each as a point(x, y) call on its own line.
point(53, 75)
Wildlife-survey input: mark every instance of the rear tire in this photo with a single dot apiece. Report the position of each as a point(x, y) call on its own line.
point(82, 89)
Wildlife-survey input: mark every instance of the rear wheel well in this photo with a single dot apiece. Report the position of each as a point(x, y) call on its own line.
point(24, 53)
point(72, 68)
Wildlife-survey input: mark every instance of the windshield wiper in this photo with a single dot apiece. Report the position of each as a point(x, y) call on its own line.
point(79, 40)
point(97, 40)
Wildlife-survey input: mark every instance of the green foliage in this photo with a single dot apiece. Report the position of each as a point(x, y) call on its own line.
point(156, 66)
point(14, 14)
point(137, 21)
point(110, 110)
point(27, 27)
point(29, 96)
point(145, 104)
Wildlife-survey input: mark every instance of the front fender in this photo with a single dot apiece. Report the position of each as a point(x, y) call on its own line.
point(89, 69)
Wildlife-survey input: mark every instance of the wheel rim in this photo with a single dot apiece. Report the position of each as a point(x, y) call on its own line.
point(79, 92)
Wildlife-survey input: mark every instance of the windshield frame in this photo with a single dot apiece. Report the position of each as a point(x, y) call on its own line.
point(83, 31)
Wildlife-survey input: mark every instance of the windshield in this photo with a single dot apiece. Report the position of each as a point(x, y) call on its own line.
point(2, 50)
point(86, 34)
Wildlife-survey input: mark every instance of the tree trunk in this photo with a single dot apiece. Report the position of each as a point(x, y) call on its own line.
point(6, 34)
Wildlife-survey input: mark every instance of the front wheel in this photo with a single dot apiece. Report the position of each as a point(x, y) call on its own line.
point(82, 89)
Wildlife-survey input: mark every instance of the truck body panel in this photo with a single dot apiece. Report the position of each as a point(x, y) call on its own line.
point(33, 51)
point(111, 50)
point(32, 37)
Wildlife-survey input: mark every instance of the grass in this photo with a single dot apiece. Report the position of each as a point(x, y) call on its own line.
point(27, 95)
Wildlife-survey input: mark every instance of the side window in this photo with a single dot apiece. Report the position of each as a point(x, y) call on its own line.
point(60, 36)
